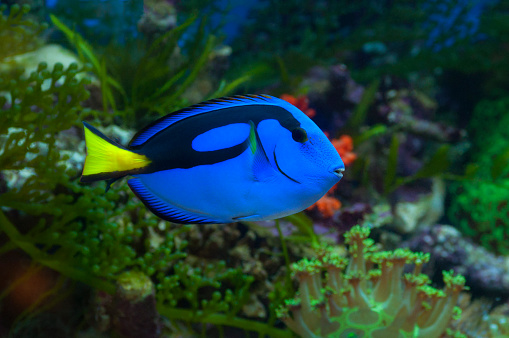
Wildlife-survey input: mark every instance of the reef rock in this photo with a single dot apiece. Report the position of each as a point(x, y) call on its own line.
point(422, 210)
point(486, 274)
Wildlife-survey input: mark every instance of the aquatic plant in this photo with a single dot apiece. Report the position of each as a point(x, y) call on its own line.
point(437, 165)
point(82, 232)
point(105, 22)
point(357, 299)
point(480, 210)
point(490, 139)
point(480, 206)
point(18, 34)
point(147, 79)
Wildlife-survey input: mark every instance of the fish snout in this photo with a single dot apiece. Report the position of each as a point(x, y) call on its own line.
point(339, 172)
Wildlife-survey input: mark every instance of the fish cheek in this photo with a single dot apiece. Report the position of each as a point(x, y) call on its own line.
point(291, 160)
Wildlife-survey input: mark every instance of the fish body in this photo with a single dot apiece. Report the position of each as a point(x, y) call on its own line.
point(252, 157)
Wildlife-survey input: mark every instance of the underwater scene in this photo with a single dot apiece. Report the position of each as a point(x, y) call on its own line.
point(254, 168)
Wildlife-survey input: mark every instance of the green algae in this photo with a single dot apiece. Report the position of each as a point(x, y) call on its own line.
point(80, 231)
point(18, 34)
point(480, 206)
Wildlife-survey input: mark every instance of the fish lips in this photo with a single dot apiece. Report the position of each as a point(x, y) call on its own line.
point(339, 172)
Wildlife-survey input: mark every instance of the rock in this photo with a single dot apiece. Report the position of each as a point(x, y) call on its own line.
point(423, 212)
point(486, 274)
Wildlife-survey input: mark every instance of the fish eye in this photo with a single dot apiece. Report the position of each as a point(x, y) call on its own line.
point(299, 135)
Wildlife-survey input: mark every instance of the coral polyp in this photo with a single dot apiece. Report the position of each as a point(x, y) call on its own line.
point(369, 294)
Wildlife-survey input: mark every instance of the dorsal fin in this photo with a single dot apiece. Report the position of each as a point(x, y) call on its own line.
point(201, 108)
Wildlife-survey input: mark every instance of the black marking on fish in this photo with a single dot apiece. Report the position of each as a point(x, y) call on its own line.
point(281, 171)
point(171, 148)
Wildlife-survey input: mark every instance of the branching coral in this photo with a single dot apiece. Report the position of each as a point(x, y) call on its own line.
point(344, 146)
point(301, 102)
point(360, 300)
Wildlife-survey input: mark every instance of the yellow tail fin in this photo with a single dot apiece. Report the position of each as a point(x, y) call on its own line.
point(107, 159)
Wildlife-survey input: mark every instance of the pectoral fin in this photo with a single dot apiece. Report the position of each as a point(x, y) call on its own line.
point(260, 164)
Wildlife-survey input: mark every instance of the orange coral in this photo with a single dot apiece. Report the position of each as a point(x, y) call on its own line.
point(301, 102)
point(327, 205)
point(344, 146)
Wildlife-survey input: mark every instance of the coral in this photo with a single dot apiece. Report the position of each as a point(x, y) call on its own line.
point(402, 104)
point(485, 273)
point(357, 299)
point(344, 147)
point(417, 208)
point(327, 206)
point(301, 102)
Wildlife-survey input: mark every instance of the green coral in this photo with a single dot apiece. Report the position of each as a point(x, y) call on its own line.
point(356, 299)
point(480, 206)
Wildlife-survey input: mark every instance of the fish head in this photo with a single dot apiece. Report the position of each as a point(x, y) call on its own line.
point(302, 154)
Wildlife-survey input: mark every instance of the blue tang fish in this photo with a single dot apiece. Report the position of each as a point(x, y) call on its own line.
point(253, 157)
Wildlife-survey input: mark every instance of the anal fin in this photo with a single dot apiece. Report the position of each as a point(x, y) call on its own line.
point(163, 209)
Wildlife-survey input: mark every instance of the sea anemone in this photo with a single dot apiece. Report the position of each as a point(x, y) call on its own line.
point(369, 295)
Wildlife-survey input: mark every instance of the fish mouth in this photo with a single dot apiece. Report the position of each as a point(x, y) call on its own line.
point(339, 172)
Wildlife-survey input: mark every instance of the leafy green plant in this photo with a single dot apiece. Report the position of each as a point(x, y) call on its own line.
point(146, 78)
point(88, 55)
point(88, 235)
point(18, 34)
point(436, 165)
point(479, 206)
point(82, 232)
